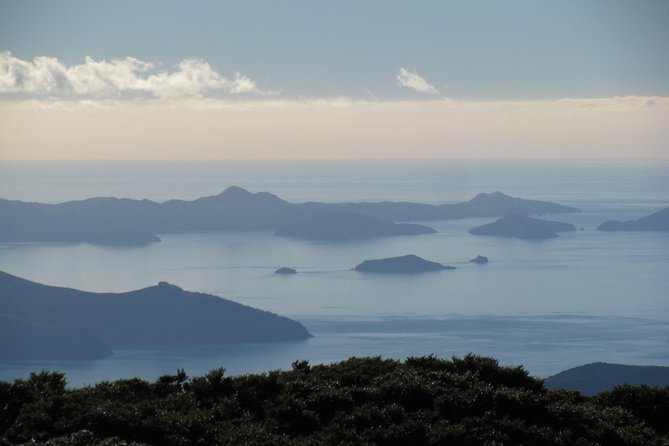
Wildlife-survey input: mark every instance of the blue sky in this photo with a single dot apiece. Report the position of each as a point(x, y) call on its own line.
point(513, 79)
point(476, 49)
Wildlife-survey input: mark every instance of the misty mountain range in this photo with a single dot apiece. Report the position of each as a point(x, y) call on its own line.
point(132, 222)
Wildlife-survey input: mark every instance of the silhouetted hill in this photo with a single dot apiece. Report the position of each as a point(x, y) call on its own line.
point(347, 225)
point(400, 265)
point(520, 226)
point(498, 204)
point(598, 377)
point(155, 315)
point(125, 221)
point(495, 204)
point(658, 221)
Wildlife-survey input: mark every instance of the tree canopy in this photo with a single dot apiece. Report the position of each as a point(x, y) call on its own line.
point(359, 401)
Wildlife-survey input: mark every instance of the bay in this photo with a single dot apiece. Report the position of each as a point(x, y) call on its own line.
point(548, 305)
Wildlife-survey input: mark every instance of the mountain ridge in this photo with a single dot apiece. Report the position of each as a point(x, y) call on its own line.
point(124, 221)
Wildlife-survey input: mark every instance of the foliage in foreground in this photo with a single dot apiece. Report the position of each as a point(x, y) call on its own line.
point(360, 401)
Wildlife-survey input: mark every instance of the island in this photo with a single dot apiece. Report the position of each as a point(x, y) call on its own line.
point(338, 226)
point(41, 321)
point(659, 221)
point(284, 270)
point(523, 227)
point(122, 221)
point(597, 377)
point(407, 264)
point(480, 260)
point(495, 204)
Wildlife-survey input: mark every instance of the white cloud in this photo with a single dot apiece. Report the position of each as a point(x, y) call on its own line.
point(48, 76)
point(409, 79)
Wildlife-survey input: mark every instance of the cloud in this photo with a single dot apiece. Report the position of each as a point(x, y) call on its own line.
point(412, 80)
point(47, 76)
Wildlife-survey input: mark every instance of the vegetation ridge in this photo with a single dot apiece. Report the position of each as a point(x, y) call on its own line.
point(359, 401)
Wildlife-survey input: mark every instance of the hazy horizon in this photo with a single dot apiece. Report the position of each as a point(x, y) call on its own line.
point(379, 80)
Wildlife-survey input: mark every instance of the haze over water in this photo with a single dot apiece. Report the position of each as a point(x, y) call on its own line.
point(549, 305)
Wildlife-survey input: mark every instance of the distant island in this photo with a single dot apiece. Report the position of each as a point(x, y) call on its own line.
point(659, 221)
point(136, 222)
point(338, 226)
point(285, 270)
point(598, 377)
point(480, 260)
point(40, 321)
point(523, 227)
point(407, 264)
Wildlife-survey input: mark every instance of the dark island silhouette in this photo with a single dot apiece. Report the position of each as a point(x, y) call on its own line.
point(494, 204)
point(658, 221)
point(523, 227)
point(135, 222)
point(407, 264)
point(348, 225)
point(598, 377)
point(479, 260)
point(40, 321)
point(285, 270)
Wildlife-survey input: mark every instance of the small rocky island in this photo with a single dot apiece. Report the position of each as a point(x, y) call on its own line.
point(523, 227)
point(407, 264)
point(480, 260)
point(348, 225)
point(284, 270)
point(658, 221)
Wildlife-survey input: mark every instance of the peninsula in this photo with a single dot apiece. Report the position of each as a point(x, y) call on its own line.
point(40, 321)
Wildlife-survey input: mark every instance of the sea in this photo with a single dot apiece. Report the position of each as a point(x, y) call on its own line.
point(547, 305)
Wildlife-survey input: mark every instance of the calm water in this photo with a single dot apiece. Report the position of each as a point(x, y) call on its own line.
point(587, 296)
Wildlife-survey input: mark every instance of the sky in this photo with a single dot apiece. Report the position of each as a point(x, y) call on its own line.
point(347, 79)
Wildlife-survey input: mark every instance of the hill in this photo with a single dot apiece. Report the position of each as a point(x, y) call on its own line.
point(659, 221)
point(134, 222)
point(600, 376)
point(360, 401)
point(523, 227)
point(50, 321)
